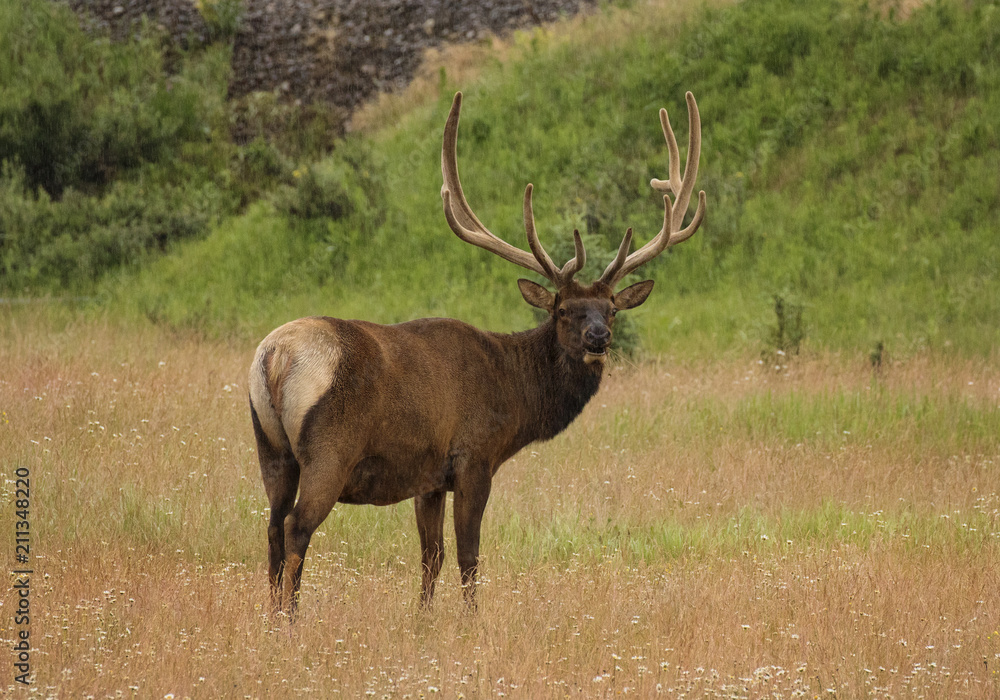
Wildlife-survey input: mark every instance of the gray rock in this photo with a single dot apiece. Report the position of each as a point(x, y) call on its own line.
point(339, 52)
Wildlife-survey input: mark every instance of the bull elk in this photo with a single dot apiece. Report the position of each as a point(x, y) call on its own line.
point(356, 412)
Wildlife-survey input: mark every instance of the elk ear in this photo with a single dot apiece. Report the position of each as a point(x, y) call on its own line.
point(536, 295)
point(631, 297)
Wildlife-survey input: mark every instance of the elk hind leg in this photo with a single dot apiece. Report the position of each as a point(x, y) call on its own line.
point(280, 474)
point(430, 525)
point(320, 486)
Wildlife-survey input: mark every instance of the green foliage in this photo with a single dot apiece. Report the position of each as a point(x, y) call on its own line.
point(785, 337)
point(298, 131)
point(222, 17)
point(318, 194)
point(849, 158)
point(316, 226)
point(258, 169)
point(65, 243)
point(76, 112)
point(110, 155)
point(106, 157)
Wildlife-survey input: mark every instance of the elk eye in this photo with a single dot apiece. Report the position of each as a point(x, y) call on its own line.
point(562, 313)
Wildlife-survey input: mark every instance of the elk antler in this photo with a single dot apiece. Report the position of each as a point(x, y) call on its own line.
point(467, 226)
point(673, 215)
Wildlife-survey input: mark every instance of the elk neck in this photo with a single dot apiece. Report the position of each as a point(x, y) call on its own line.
point(556, 386)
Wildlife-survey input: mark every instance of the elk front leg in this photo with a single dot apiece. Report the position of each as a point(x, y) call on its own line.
point(472, 491)
point(430, 525)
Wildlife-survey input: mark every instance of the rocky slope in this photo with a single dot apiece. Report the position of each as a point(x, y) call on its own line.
point(334, 51)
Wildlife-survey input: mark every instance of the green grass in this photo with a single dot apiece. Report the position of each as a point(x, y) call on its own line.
point(568, 539)
point(849, 159)
point(858, 418)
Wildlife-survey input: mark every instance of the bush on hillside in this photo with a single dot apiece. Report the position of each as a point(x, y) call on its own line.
point(106, 154)
point(50, 244)
point(78, 112)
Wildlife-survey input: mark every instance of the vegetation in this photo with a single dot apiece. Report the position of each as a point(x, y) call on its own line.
point(710, 527)
point(850, 159)
point(106, 155)
point(111, 151)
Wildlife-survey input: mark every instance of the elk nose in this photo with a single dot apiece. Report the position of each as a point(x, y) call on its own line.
point(597, 336)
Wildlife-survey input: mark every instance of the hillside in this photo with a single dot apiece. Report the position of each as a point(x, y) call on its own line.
point(850, 159)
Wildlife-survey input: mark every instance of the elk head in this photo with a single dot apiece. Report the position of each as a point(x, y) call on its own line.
point(583, 315)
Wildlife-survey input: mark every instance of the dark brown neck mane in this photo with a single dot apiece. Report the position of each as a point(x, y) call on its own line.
point(556, 387)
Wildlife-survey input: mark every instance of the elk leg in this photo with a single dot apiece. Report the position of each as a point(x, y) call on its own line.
point(430, 525)
point(282, 498)
point(321, 483)
point(280, 473)
point(472, 491)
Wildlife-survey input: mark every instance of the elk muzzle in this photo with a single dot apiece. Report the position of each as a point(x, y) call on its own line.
point(596, 339)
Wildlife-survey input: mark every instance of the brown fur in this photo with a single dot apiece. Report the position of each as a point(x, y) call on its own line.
point(410, 411)
point(355, 412)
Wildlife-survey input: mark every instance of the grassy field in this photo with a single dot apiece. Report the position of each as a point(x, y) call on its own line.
point(703, 529)
point(723, 520)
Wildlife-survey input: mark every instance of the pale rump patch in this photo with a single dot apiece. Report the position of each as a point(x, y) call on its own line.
point(293, 367)
point(260, 397)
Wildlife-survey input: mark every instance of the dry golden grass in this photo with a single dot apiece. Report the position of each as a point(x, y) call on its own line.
point(708, 529)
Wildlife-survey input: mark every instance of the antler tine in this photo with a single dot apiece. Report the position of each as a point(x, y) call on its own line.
point(672, 184)
point(459, 214)
point(693, 157)
point(551, 271)
point(681, 187)
point(557, 276)
point(576, 263)
point(612, 269)
point(699, 214)
point(618, 268)
point(470, 229)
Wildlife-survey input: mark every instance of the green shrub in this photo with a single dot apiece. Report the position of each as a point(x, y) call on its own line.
point(258, 169)
point(347, 185)
point(107, 156)
point(300, 132)
point(45, 244)
point(222, 17)
point(77, 112)
point(785, 337)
